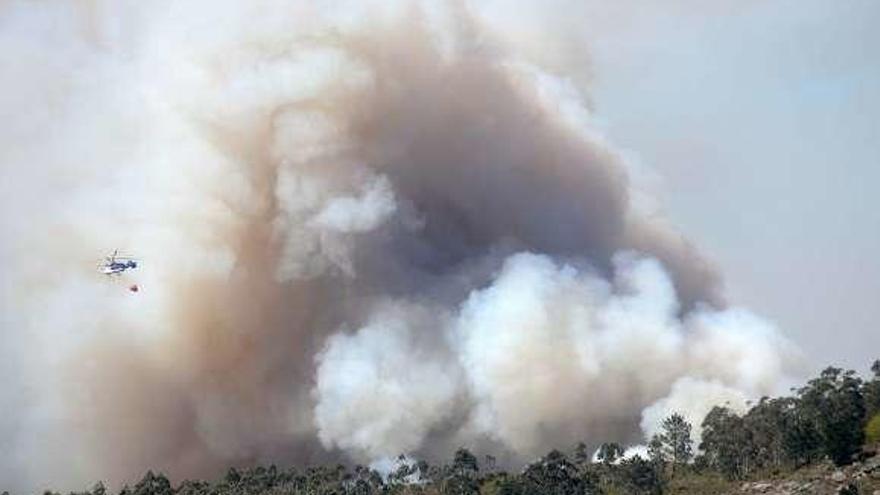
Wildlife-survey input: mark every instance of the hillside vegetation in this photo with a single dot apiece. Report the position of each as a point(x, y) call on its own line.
point(821, 439)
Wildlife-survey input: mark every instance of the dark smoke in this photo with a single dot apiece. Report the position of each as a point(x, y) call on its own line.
point(364, 233)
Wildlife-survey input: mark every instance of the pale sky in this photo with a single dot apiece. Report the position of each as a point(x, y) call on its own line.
point(761, 118)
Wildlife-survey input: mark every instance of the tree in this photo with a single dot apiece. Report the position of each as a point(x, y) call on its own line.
point(504, 484)
point(581, 456)
point(465, 463)
point(323, 479)
point(675, 440)
point(764, 425)
point(639, 476)
point(554, 474)
point(365, 482)
point(153, 484)
point(610, 452)
point(872, 430)
point(725, 443)
point(801, 439)
point(399, 475)
point(835, 403)
point(190, 487)
point(490, 464)
point(872, 392)
point(461, 478)
point(655, 452)
point(780, 432)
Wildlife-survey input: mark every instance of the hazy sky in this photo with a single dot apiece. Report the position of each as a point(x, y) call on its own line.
point(761, 119)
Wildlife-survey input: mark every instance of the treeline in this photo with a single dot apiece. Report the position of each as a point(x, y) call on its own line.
point(832, 417)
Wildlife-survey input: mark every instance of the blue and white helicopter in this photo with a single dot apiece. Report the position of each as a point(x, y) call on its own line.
point(115, 264)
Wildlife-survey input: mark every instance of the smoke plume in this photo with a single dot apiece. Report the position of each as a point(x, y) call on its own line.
point(365, 230)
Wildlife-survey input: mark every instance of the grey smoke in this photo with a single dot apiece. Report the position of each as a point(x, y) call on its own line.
point(366, 231)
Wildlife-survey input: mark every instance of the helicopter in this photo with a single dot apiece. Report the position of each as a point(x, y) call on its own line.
point(116, 265)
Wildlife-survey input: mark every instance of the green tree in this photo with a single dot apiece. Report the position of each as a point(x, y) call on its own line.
point(872, 392)
point(675, 440)
point(465, 463)
point(655, 452)
point(872, 430)
point(153, 484)
point(503, 484)
point(801, 438)
point(189, 487)
point(324, 479)
point(835, 403)
point(609, 452)
point(781, 432)
point(764, 426)
point(640, 477)
point(554, 474)
point(365, 482)
point(461, 477)
point(726, 444)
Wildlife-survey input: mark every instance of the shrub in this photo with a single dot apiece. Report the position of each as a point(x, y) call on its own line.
point(872, 430)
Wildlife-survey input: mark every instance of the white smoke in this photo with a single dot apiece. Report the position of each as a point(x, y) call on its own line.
point(692, 399)
point(357, 214)
point(547, 353)
point(366, 229)
point(381, 389)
